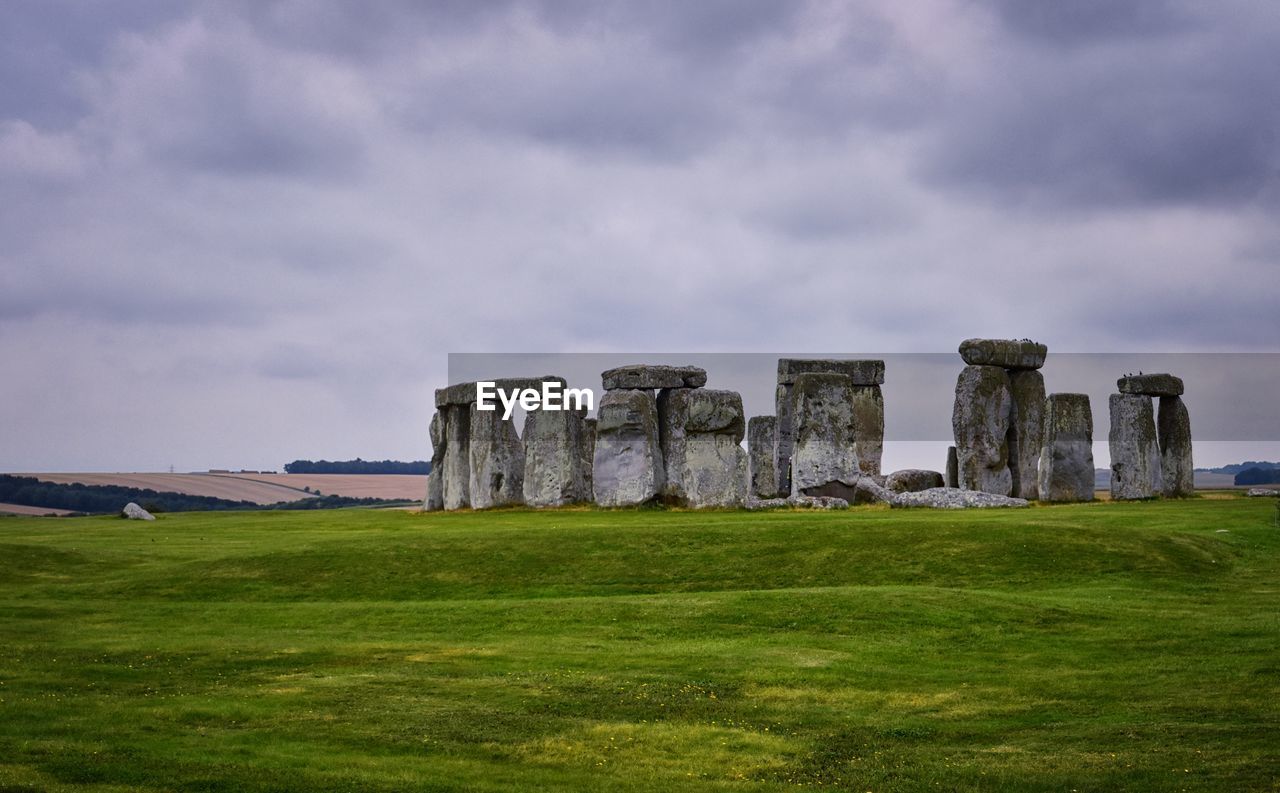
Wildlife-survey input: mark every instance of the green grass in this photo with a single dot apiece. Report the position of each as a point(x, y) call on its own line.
point(1093, 647)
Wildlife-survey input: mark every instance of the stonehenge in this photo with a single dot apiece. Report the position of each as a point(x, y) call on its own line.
point(998, 417)
point(1066, 458)
point(661, 437)
point(1150, 457)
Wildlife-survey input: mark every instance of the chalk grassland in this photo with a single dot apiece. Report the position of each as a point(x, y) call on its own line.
point(258, 488)
point(1100, 647)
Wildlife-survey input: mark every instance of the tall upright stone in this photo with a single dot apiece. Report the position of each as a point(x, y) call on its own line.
point(435, 478)
point(1135, 451)
point(588, 450)
point(497, 460)
point(953, 468)
point(860, 373)
point(980, 423)
point(627, 461)
point(825, 458)
point(868, 427)
point(1066, 457)
point(1173, 431)
point(761, 431)
point(455, 487)
point(1026, 431)
point(700, 433)
point(554, 474)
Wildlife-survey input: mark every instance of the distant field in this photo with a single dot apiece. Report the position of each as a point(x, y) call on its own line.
point(1091, 647)
point(23, 509)
point(258, 488)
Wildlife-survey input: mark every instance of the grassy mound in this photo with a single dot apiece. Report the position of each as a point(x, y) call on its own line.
point(1094, 647)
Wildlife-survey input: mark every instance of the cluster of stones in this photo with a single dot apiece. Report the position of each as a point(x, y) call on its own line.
point(826, 438)
point(1011, 438)
point(1150, 452)
point(658, 436)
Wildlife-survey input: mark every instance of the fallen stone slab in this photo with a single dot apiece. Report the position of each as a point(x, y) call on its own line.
point(954, 498)
point(1157, 385)
point(1173, 432)
point(980, 424)
point(1135, 450)
point(465, 393)
point(1259, 492)
point(1066, 459)
point(1005, 353)
point(1026, 432)
point(760, 436)
point(647, 377)
point(860, 372)
point(863, 490)
point(627, 460)
point(913, 480)
point(134, 512)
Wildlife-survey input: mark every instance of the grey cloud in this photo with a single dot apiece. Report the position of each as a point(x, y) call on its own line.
point(1090, 21)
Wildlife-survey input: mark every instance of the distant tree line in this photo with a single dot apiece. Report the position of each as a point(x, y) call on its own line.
point(1258, 476)
point(1236, 468)
point(357, 466)
point(31, 492)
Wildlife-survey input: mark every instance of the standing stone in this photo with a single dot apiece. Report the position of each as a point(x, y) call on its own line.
point(953, 468)
point(1174, 434)
point(435, 482)
point(1135, 452)
point(1066, 457)
point(825, 458)
point(554, 474)
point(868, 427)
point(761, 431)
point(627, 462)
point(456, 471)
point(1026, 431)
point(700, 433)
point(588, 450)
point(980, 422)
point(497, 460)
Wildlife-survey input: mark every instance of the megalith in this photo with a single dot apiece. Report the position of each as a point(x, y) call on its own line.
point(627, 459)
point(913, 480)
point(455, 485)
point(868, 427)
point(1135, 451)
point(497, 460)
point(824, 460)
point(700, 433)
point(952, 468)
point(1173, 432)
point(1066, 456)
point(760, 434)
point(556, 469)
point(1004, 353)
point(435, 482)
point(980, 423)
point(1026, 431)
point(646, 377)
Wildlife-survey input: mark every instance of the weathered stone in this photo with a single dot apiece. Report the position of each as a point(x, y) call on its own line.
point(825, 452)
point(465, 393)
point(1026, 431)
point(1261, 492)
point(1173, 431)
point(644, 377)
point(980, 422)
point(1005, 353)
point(134, 512)
point(953, 498)
point(497, 460)
point(1135, 451)
point(554, 474)
point(863, 490)
point(816, 502)
point(588, 450)
point(868, 427)
point(701, 434)
point(865, 372)
point(456, 470)
point(1066, 455)
point(784, 441)
point(1160, 385)
point(953, 468)
point(760, 436)
point(627, 461)
point(913, 480)
point(435, 481)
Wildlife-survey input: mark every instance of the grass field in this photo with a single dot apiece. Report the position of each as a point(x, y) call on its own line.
point(1093, 647)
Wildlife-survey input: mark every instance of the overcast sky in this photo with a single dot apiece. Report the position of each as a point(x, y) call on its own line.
point(235, 234)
